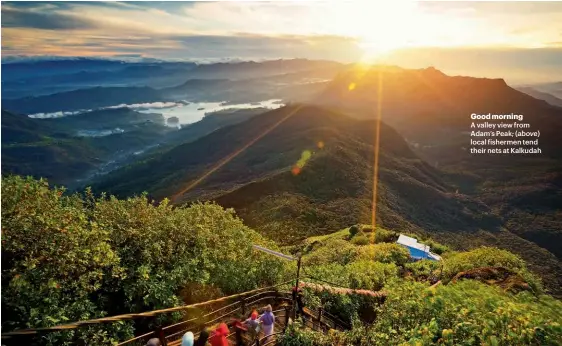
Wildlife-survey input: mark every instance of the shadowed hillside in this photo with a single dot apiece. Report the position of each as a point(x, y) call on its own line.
point(55, 148)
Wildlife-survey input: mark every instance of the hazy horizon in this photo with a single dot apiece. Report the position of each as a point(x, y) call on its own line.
point(518, 41)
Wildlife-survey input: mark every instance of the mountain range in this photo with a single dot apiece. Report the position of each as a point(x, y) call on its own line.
point(309, 168)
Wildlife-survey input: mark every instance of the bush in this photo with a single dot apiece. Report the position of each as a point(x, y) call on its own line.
point(360, 240)
point(423, 269)
point(386, 253)
point(483, 257)
point(370, 275)
point(437, 248)
point(333, 250)
point(354, 230)
point(296, 335)
point(384, 236)
point(53, 260)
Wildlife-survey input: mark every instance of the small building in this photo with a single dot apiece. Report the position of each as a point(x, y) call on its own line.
point(417, 250)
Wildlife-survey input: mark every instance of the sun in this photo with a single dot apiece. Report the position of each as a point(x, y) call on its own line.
point(380, 27)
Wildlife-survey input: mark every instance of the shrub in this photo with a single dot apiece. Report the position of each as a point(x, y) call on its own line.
point(481, 257)
point(423, 269)
point(370, 275)
point(386, 253)
point(53, 260)
point(436, 247)
point(353, 230)
point(384, 236)
point(360, 240)
point(332, 251)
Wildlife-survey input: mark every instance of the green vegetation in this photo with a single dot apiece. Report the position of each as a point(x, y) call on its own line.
point(360, 240)
point(457, 312)
point(68, 258)
point(466, 313)
point(354, 230)
point(385, 253)
point(75, 257)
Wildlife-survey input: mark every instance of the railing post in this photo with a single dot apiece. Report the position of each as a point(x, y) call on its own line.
point(297, 286)
point(287, 316)
point(319, 314)
point(244, 307)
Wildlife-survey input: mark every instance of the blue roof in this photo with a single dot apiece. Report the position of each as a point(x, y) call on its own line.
point(417, 250)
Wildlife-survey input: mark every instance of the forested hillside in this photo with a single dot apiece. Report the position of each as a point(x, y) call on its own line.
point(74, 257)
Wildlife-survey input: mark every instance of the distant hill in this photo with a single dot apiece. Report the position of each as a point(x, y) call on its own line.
point(18, 128)
point(29, 147)
point(429, 107)
point(554, 89)
point(432, 111)
point(83, 99)
point(252, 69)
point(551, 99)
point(86, 84)
point(52, 149)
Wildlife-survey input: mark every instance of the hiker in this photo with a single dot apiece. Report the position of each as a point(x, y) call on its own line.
point(187, 339)
point(202, 339)
point(154, 342)
point(219, 336)
point(298, 297)
point(239, 329)
point(253, 325)
point(267, 320)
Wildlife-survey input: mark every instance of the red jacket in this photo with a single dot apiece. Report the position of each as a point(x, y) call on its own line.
point(219, 336)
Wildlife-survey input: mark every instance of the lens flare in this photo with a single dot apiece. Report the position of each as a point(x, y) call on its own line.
point(296, 170)
point(228, 158)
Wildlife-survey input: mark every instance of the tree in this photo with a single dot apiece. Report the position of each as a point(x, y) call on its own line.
point(53, 259)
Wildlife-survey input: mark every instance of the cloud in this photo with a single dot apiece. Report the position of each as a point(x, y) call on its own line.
point(271, 30)
point(151, 105)
point(327, 47)
point(16, 18)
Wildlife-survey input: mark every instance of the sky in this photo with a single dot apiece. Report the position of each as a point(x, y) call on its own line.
point(477, 38)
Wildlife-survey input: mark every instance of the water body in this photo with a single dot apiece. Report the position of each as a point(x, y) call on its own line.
point(194, 112)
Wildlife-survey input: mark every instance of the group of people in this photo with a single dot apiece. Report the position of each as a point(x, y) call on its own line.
point(219, 337)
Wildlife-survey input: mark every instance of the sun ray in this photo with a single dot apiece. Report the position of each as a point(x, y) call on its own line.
point(377, 148)
point(232, 155)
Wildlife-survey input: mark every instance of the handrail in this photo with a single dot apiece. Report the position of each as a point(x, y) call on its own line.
point(244, 301)
point(130, 316)
point(279, 296)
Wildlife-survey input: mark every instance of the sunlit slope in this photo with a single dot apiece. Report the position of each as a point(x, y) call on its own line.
point(429, 107)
